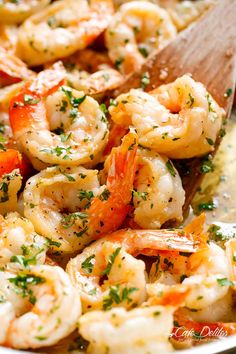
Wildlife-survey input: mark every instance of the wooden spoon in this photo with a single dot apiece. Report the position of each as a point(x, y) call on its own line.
point(207, 50)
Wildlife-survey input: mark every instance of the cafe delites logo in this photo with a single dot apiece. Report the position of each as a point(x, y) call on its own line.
point(200, 333)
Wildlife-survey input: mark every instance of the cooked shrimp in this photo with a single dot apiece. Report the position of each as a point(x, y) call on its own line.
point(49, 310)
point(205, 272)
point(230, 247)
point(143, 330)
point(6, 136)
point(17, 11)
point(8, 37)
point(185, 12)
point(78, 124)
point(61, 29)
point(113, 256)
point(10, 179)
point(180, 120)
point(12, 69)
point(91, 72)
point(137, 29)
point(158, 195)
point(19, 242)
point(72, 208)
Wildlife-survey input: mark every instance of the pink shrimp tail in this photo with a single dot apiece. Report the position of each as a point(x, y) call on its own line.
point(107, 215)
point(27, 108)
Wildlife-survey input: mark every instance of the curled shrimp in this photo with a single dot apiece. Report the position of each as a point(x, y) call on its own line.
point(206, 275)
point(19, 242)
point(71, 207)
point(48, 306)
point(91, 72)
point(78, 124)
point(14, 12)
point(137, 29)
point(12, 69)
point(61, 29)
point(142, 330)
point(10, 179)
point(158, 196)
point(113, 257)
point(180, 119)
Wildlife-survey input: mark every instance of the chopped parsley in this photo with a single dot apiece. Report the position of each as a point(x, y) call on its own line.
point(210, 141)
point(228, 92)
point(87, 265)
point(170, 168)
point(117, 296)
point(118, 63)
point(104, 195)
point(145, 80)
point(111, 261)
point(58, 151)
point(22, 282)
point(207, 164)
point(143, 51)
point(142, 195)
point(208, 206)
point(28, 100)
point(69, 220)
point(4, 188)
point(190, 101)
point(224, 282)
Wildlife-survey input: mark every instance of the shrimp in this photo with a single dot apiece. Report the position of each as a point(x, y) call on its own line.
point(137, 29)
point(158, 195)
point(180, 119)
point(14, 12)
point(6, 136)
point(205, 273)
point(113, 257)
point(8, 37)
point(230, 248)
point(19, 243)
point(142, 330)
point(78, 124)
point(12, 69)
point(10, 179)
point(185, 12)
point(48, 306)
point(70, 205)
point(91, 72)
point(61, 29)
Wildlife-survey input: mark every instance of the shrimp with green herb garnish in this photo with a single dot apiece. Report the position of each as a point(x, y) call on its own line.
point(73, 208)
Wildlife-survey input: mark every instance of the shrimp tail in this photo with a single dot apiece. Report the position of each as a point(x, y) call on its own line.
point(27, 107)
point(107, 215)
point(196, 228)
point(12, 69)
point(9, 161)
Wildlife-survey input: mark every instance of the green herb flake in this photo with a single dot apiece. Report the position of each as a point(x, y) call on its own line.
point(228, 92)
point(170, 168)
point(87, 265)
point(111, 261)
point(208, 206)
point(104, 195)
point(145, 80)
point(224, 282)
point(30, 100)
point(210, 141)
